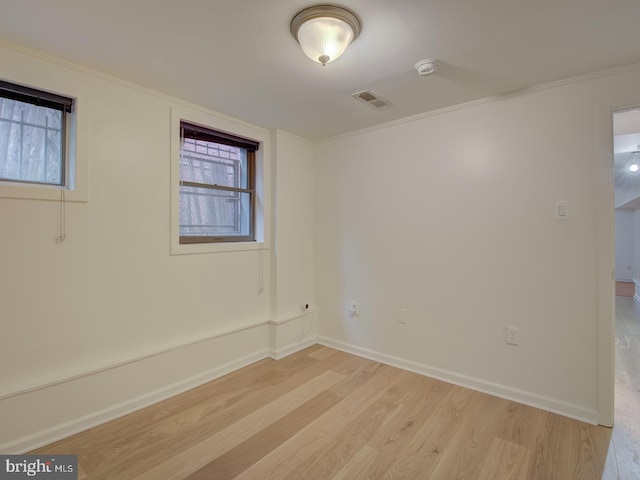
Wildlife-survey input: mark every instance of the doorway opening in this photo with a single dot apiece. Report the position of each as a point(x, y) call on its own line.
point(625, 441)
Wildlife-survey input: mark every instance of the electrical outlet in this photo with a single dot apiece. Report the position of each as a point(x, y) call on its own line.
point(513, 336)
point(354, 309)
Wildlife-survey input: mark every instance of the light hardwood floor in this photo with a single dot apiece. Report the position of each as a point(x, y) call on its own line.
point(325, 414)
point(623, 461)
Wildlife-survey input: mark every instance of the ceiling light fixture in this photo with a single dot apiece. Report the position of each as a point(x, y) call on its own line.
point(426, 67)
point(324, 31)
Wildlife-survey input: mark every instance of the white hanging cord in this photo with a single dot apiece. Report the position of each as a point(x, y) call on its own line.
point(62, 217)
point(261, 270)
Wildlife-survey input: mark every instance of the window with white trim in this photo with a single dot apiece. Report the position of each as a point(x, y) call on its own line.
point(217, 186)
point(33, 136)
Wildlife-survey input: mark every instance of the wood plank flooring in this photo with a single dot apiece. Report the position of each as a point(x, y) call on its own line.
point(325, 414)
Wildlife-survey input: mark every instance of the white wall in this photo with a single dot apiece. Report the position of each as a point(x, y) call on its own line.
point(111, 295)
point(293, 281)
point(626, 245)
point(293, 248)
point(451, 216)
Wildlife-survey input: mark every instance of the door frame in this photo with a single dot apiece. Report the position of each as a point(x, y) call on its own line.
point(606, 258)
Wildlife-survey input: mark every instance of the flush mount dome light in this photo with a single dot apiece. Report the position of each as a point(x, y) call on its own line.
point(425, 67)
point(324, 31)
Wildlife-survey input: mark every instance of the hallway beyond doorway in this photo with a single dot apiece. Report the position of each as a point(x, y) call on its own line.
point(623, 461)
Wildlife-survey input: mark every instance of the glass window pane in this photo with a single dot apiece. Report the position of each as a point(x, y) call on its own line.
point(213, 163)
point(212, 212)
point(30, 142)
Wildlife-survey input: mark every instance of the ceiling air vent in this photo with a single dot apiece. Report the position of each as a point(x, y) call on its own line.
point(371, 99)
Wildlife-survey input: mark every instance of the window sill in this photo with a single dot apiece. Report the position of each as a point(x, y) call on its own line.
point(199, 248)
point(39, 192)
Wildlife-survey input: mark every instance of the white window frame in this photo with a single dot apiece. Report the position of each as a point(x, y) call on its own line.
point(76, 155)
point(263, 176)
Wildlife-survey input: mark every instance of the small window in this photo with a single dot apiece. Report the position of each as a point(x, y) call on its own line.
point(33, 135)
point(217, 186)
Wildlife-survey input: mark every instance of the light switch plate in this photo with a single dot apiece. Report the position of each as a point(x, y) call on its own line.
point(562, 211)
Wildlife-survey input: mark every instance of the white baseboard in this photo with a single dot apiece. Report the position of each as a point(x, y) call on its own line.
point(77, 425)
point(42, 414)
point(292, 348)
point(566, 409)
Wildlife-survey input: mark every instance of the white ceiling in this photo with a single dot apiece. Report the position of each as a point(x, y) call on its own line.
point(237, 57)
point(626, 131)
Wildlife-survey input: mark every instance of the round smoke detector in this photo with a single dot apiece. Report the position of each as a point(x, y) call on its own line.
point(426, 66)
